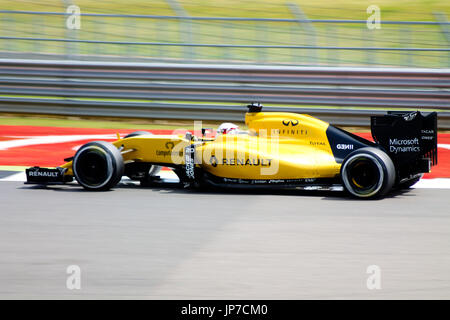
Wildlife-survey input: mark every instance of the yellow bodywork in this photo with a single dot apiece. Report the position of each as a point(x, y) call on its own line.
point(277, 146)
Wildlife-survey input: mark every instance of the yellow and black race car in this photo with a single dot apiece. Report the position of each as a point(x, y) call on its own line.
point(279, 150)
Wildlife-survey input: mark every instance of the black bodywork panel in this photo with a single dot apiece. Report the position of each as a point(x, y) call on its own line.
point(409, 138)
point(343, 143)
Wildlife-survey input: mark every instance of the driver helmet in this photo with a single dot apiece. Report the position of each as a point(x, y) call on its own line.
point(228, 128)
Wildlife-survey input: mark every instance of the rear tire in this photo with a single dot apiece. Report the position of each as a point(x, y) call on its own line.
point(368, 173)
point(98, 165)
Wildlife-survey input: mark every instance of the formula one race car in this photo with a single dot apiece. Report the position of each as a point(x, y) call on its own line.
point(279, 150)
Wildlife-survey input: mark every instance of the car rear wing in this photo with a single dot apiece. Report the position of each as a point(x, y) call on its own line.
point(409, 138)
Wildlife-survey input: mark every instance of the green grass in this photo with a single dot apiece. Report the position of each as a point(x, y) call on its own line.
point(219, 32)
point(337, 9)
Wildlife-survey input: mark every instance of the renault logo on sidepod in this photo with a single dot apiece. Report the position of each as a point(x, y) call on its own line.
point(213, 161)
point(290, 122)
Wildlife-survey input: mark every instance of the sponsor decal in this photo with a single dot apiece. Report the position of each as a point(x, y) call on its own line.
point(270, 181)
point(213, 161)
point(240, 162)
point(289, 122)
point(291, 131)
point(317, 143)
point(343, 146)
point(429, 134)
point(410, 116)
point(189, 161)
point(404, 145)
point(169, 146)
point(52, 174)
point(165, 153)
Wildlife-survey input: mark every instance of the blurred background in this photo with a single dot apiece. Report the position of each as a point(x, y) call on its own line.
point(291, 32)
point(204, 60)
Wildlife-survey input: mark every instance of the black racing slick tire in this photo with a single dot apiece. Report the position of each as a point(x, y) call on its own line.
point(138, 171)
point(368, 173)
point(98, 165)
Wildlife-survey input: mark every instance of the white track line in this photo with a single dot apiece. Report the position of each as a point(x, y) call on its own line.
point(29, 141)
point(437, 183)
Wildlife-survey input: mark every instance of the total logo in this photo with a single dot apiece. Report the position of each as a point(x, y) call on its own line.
point(343, 146)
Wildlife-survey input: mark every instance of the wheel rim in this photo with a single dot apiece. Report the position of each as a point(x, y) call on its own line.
point(93, 167)
point(363, 175)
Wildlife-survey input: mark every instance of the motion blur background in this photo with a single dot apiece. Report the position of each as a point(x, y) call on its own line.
point(196, 59)
point(293, 32)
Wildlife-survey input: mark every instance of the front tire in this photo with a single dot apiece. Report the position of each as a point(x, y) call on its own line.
point(368, 173)
point(98, 165)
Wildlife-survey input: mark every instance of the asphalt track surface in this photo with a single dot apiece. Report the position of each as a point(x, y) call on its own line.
point(181, 244)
